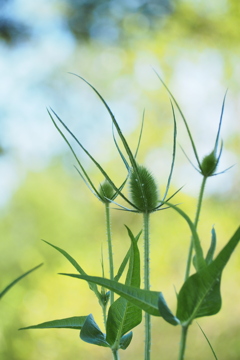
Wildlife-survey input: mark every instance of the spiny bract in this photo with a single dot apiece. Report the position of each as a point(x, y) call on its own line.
point(143, 190)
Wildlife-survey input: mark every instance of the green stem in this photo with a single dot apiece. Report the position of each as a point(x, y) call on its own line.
point(111, 270)
point(183, 342)
point(104, 309)
point(189, 261)
point(199, 206)
point(146, 217)
point(110, 251)
point(115, 355)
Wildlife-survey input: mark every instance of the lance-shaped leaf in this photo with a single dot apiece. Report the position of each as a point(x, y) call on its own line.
point(208, 341)
point(93, 287)
point(210, 253)
point(212, 157)
point(200, 261)
point(83, 172)
point(125, 260)
point(166, 312)
point(106, 177)
point(145, 299)
point(123, 316)
point(75, 322)
point(200, 294)
point(8, 287)
point(125, 340)
point(91, 333)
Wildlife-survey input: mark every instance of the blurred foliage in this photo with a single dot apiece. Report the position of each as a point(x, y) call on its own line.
point(11, 29)
point(105, 20)
point(111, 20)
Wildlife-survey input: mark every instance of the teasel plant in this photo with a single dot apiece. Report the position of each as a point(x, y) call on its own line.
point(207, 167)
point(116, 329)
point(106, 193)
point(144, 195)
point(200, 293)
point(143, 199)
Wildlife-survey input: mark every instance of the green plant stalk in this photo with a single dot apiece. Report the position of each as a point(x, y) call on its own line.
point(111, 269)
point(115, 355)
point(199, 206)
point(104, 309)
point(110, 251)
point(146, 218)
point(183, 342)
point(189, 261)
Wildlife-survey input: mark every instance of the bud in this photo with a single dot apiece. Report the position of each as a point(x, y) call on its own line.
point(106, 191)
point(209, 165)
point(143, 190)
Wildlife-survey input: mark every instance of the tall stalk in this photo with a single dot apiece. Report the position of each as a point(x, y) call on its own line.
point(199, 206)
point(146, 218)
point(111, 266)
point(184, 331)
point(110, 251)
point(115, 355)
point(183, 342)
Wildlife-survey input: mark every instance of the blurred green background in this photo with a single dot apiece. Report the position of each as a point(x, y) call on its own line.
point(194, 46)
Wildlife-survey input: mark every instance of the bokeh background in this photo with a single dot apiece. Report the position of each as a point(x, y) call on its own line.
point(195, 47)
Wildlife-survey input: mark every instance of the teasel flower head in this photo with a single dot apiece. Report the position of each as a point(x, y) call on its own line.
point(144, 196)
point(208, 166)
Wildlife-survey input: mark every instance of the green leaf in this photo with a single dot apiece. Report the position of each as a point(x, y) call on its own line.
point(93, 287)
point(75, 322)
point(91, 333)
point(140, 135)
point(145, 299)
point(220, 124)
point(125, 261)
point(85, 178)
point(8, 287)
point(183, 117)
point(166, 312)
point(123, 316)
point(118, 190)
point(200, 294)
point(210, 345)
point(210, 253)
point(126, 340)
point(200, 262)
point(131, 157)
point(173, 156)
point(119, 151)
point(124, 142)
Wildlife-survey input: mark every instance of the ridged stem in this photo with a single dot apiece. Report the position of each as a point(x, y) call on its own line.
point(111, 269)
point(146, 219)
point(199, 206)
point(104, 309)
point(189, 261)
point(110, 251)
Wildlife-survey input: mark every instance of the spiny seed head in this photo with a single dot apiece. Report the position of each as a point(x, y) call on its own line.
point(143, 189)
point(106, 191)
point(209, 164)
